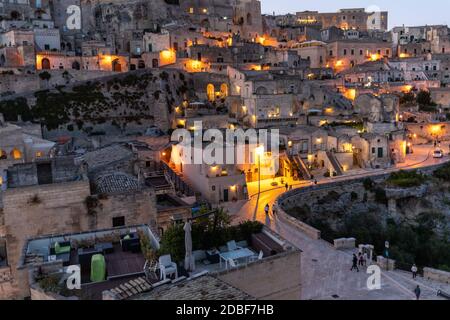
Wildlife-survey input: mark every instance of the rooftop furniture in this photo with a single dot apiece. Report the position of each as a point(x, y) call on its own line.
point(98, 268)
point(257, 257)
point(213, 256)
point(60, 248)
point(223, 249)
point(244, 253)
point(130, 242)
point(231, 245)
point(63, 247)
point(85, 256)
point(232, 263)
point(242, 244)
point(105, 247)
point(260, 241)
point(167, 267)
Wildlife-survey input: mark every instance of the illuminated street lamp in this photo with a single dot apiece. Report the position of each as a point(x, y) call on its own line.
point(259, 151)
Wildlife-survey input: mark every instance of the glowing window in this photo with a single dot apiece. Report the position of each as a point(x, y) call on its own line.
point(16, 154)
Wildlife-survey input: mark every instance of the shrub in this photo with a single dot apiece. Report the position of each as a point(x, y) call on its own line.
point(380, 196)
point(443, 172)
point(368, 184)
point(406, 179)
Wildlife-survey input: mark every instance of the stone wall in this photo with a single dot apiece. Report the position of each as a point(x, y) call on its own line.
point(344, 243)
point(305, 228)
point(38, 210)
point(437, 275)
point(276, 277)
point(137, 208)
point(385, 264)
point(26, 82)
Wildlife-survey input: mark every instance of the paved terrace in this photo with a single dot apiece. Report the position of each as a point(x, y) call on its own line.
point(325, 271)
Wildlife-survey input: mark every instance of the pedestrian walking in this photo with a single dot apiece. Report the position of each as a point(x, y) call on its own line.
point(360, 259)
point(266, 209)
point(365, 258)
point(414, 271)
point(355, 263)
point(286, 186)
point(274, 209)
point(315, 181)
point(417, 292)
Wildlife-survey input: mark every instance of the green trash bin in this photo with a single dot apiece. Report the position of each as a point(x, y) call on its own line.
point(98, 268)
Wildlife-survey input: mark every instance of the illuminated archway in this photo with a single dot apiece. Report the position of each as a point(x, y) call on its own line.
point(210, 92)
point(16, 154)
point(45, 64)
point(224, 90)
point(3, 155)
point(116, 66)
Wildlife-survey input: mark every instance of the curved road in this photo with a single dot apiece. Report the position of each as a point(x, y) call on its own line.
point(325, 271)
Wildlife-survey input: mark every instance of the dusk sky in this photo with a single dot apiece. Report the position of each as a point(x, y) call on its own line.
point(407, 12)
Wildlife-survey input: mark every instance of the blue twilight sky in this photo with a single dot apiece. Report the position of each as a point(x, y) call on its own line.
point(407, 12)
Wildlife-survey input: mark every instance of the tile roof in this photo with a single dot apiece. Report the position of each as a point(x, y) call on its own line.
point(205, 287)
point(116, 183)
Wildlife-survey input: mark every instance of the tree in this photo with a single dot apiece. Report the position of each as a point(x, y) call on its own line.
point(425, 102)
point(45, 76)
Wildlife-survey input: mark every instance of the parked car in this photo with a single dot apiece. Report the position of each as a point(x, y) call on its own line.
point(438, 153)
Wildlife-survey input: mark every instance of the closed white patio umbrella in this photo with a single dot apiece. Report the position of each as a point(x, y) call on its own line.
point(189, 261)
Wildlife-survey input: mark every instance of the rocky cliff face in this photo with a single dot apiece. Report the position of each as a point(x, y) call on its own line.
point(403, 205)
point(132, 101)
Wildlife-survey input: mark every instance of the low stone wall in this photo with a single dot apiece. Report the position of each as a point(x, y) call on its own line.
point(388, 265)
point(305, 228)
point(344, 243)
point(437, 275)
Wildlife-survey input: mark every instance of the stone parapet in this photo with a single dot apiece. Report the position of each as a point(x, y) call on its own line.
point(437, 275)
point(344, 243)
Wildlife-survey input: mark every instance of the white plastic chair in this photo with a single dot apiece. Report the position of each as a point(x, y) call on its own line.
point(257, 257)
point(232, 263)
point(231, 245)
point(167, 267)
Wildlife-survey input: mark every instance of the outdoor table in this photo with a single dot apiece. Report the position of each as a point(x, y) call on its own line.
point(235, 254)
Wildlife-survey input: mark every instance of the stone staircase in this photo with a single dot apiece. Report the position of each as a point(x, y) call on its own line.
point(334, 163)
point(298, 162)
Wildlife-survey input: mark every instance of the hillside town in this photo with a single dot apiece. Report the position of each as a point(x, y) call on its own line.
point(98, 201)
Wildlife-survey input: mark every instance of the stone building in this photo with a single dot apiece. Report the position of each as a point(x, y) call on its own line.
point(357, 18)
point(17, 49)
point(344, 54)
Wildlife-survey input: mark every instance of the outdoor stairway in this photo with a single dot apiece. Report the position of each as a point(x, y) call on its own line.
point(334, 163)
point(301, 166)
point(131, 288)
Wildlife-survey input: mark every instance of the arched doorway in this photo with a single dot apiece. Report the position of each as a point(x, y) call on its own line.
point(3, 155)
point(76, 65)
point(155, 63)
point(16, 154)
point(249, 19)
point(224, 90)
point(116, 66)
point(15, 15)
point(141, 64)
point(45, 64)
point(210, 92)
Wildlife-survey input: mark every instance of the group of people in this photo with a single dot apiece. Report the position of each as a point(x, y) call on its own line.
point(359, 261)
point(267, 209)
